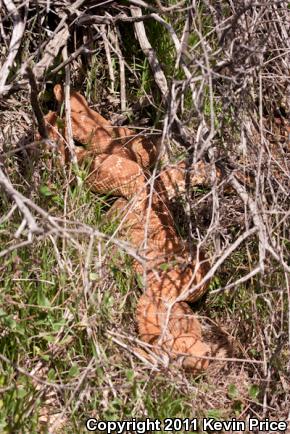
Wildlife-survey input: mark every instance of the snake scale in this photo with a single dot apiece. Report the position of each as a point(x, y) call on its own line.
point(120, 164)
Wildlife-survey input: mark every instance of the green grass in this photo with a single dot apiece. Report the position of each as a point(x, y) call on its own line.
point(45, 316)
point(49, 321)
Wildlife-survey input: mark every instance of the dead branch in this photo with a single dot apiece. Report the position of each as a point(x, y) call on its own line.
point(35, 104)
point(149, 52)
point(19, 23)
point(19, 200)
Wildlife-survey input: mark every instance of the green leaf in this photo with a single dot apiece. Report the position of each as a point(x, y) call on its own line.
point(51, 375)
point(42, 300)
point(232, 391)
point(74, 371)
point(238, 407)
point(49, 338)
point(139, 279)
point(130, 374)
point(45, 191)
point(21, 392)
point(254, 391)
point(164, 267)
point(58, 200)
point(215, 413)
point(45, 357)
point(56, 326)
point(8, 321)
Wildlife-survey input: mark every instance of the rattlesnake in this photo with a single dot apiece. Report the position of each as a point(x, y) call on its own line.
point(119, 164)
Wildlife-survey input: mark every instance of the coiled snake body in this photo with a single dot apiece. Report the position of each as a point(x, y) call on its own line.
point(120, 162)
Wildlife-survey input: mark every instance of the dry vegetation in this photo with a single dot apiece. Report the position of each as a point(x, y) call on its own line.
point(213, 78)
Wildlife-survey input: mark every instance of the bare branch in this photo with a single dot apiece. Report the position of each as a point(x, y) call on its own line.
point(149, 52)
point(19, 23)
